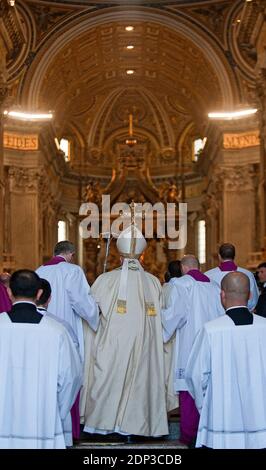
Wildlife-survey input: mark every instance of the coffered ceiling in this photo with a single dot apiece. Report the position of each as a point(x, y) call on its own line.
point(167, 67)
point(78, 57)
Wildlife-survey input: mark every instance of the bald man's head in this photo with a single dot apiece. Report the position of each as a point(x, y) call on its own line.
point(189, 262)
point(235, 289)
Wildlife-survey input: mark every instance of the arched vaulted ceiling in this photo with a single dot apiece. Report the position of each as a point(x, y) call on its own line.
point(169, 71)
point(96, 62)
point(80, 72)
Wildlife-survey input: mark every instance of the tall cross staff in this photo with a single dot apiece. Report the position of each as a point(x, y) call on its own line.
point(133, 222)
point(107, 252)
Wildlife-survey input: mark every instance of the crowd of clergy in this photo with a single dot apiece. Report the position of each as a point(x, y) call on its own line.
point(119, 356)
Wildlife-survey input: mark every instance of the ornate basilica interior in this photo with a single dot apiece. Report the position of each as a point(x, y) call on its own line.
point(130, 85)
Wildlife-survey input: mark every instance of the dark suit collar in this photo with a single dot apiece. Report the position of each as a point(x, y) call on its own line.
point(240, 315)
point(24, 312)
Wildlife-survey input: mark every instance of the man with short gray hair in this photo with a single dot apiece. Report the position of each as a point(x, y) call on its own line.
point(66, 248)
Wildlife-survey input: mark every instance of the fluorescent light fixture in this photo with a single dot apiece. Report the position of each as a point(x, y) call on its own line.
point(129, 28)
point(130, 72)
point(130, 46)
point(28, 116)
point(233, 114)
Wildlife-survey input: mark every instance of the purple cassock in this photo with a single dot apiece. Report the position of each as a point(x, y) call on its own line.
point(5, 302)
point(55, 260)
point(228, 266)
point(198, 275)
point(75, 408)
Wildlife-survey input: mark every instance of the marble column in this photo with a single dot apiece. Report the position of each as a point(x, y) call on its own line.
point(3, 97)
point(233, 186)
point(231, 211)
point(261, 93)
point(211, 207)
point(25, 216)
point(239, 210)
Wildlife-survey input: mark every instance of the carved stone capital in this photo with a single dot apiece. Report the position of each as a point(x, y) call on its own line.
point(49, 199)
point(24, 179)
point(240, 178)
point(211, 204)
point(216, 183)
point(225, 179)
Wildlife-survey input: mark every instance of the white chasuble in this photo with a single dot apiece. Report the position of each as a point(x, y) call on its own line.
point(127, 391)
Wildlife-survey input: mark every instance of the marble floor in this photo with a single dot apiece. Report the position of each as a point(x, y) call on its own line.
point(97, 441)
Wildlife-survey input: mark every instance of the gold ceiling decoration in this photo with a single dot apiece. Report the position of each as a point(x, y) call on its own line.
point(86, 84)
point(96, 62)
point(130, 141)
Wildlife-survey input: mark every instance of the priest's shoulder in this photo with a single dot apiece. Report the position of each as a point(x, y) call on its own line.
point(246, 271)
point(65, 267)
point(259, 320)
point(214, 283)
point(55, 325)
point(175, 281)
point(69, 267)
point(221, 322)
point(72, 271)
point(4, 319)
point(185, 281)
point(212, 271)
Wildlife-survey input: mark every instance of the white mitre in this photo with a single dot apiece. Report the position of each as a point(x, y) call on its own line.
point(131, 242)
point(130, 245)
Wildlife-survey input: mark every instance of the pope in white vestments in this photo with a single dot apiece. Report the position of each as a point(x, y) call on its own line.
point(127, 391)
point(193, 300)
point(226, 374)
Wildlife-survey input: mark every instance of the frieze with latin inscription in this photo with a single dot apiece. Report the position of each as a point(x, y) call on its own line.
point(241, 140)
point(20, 141)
